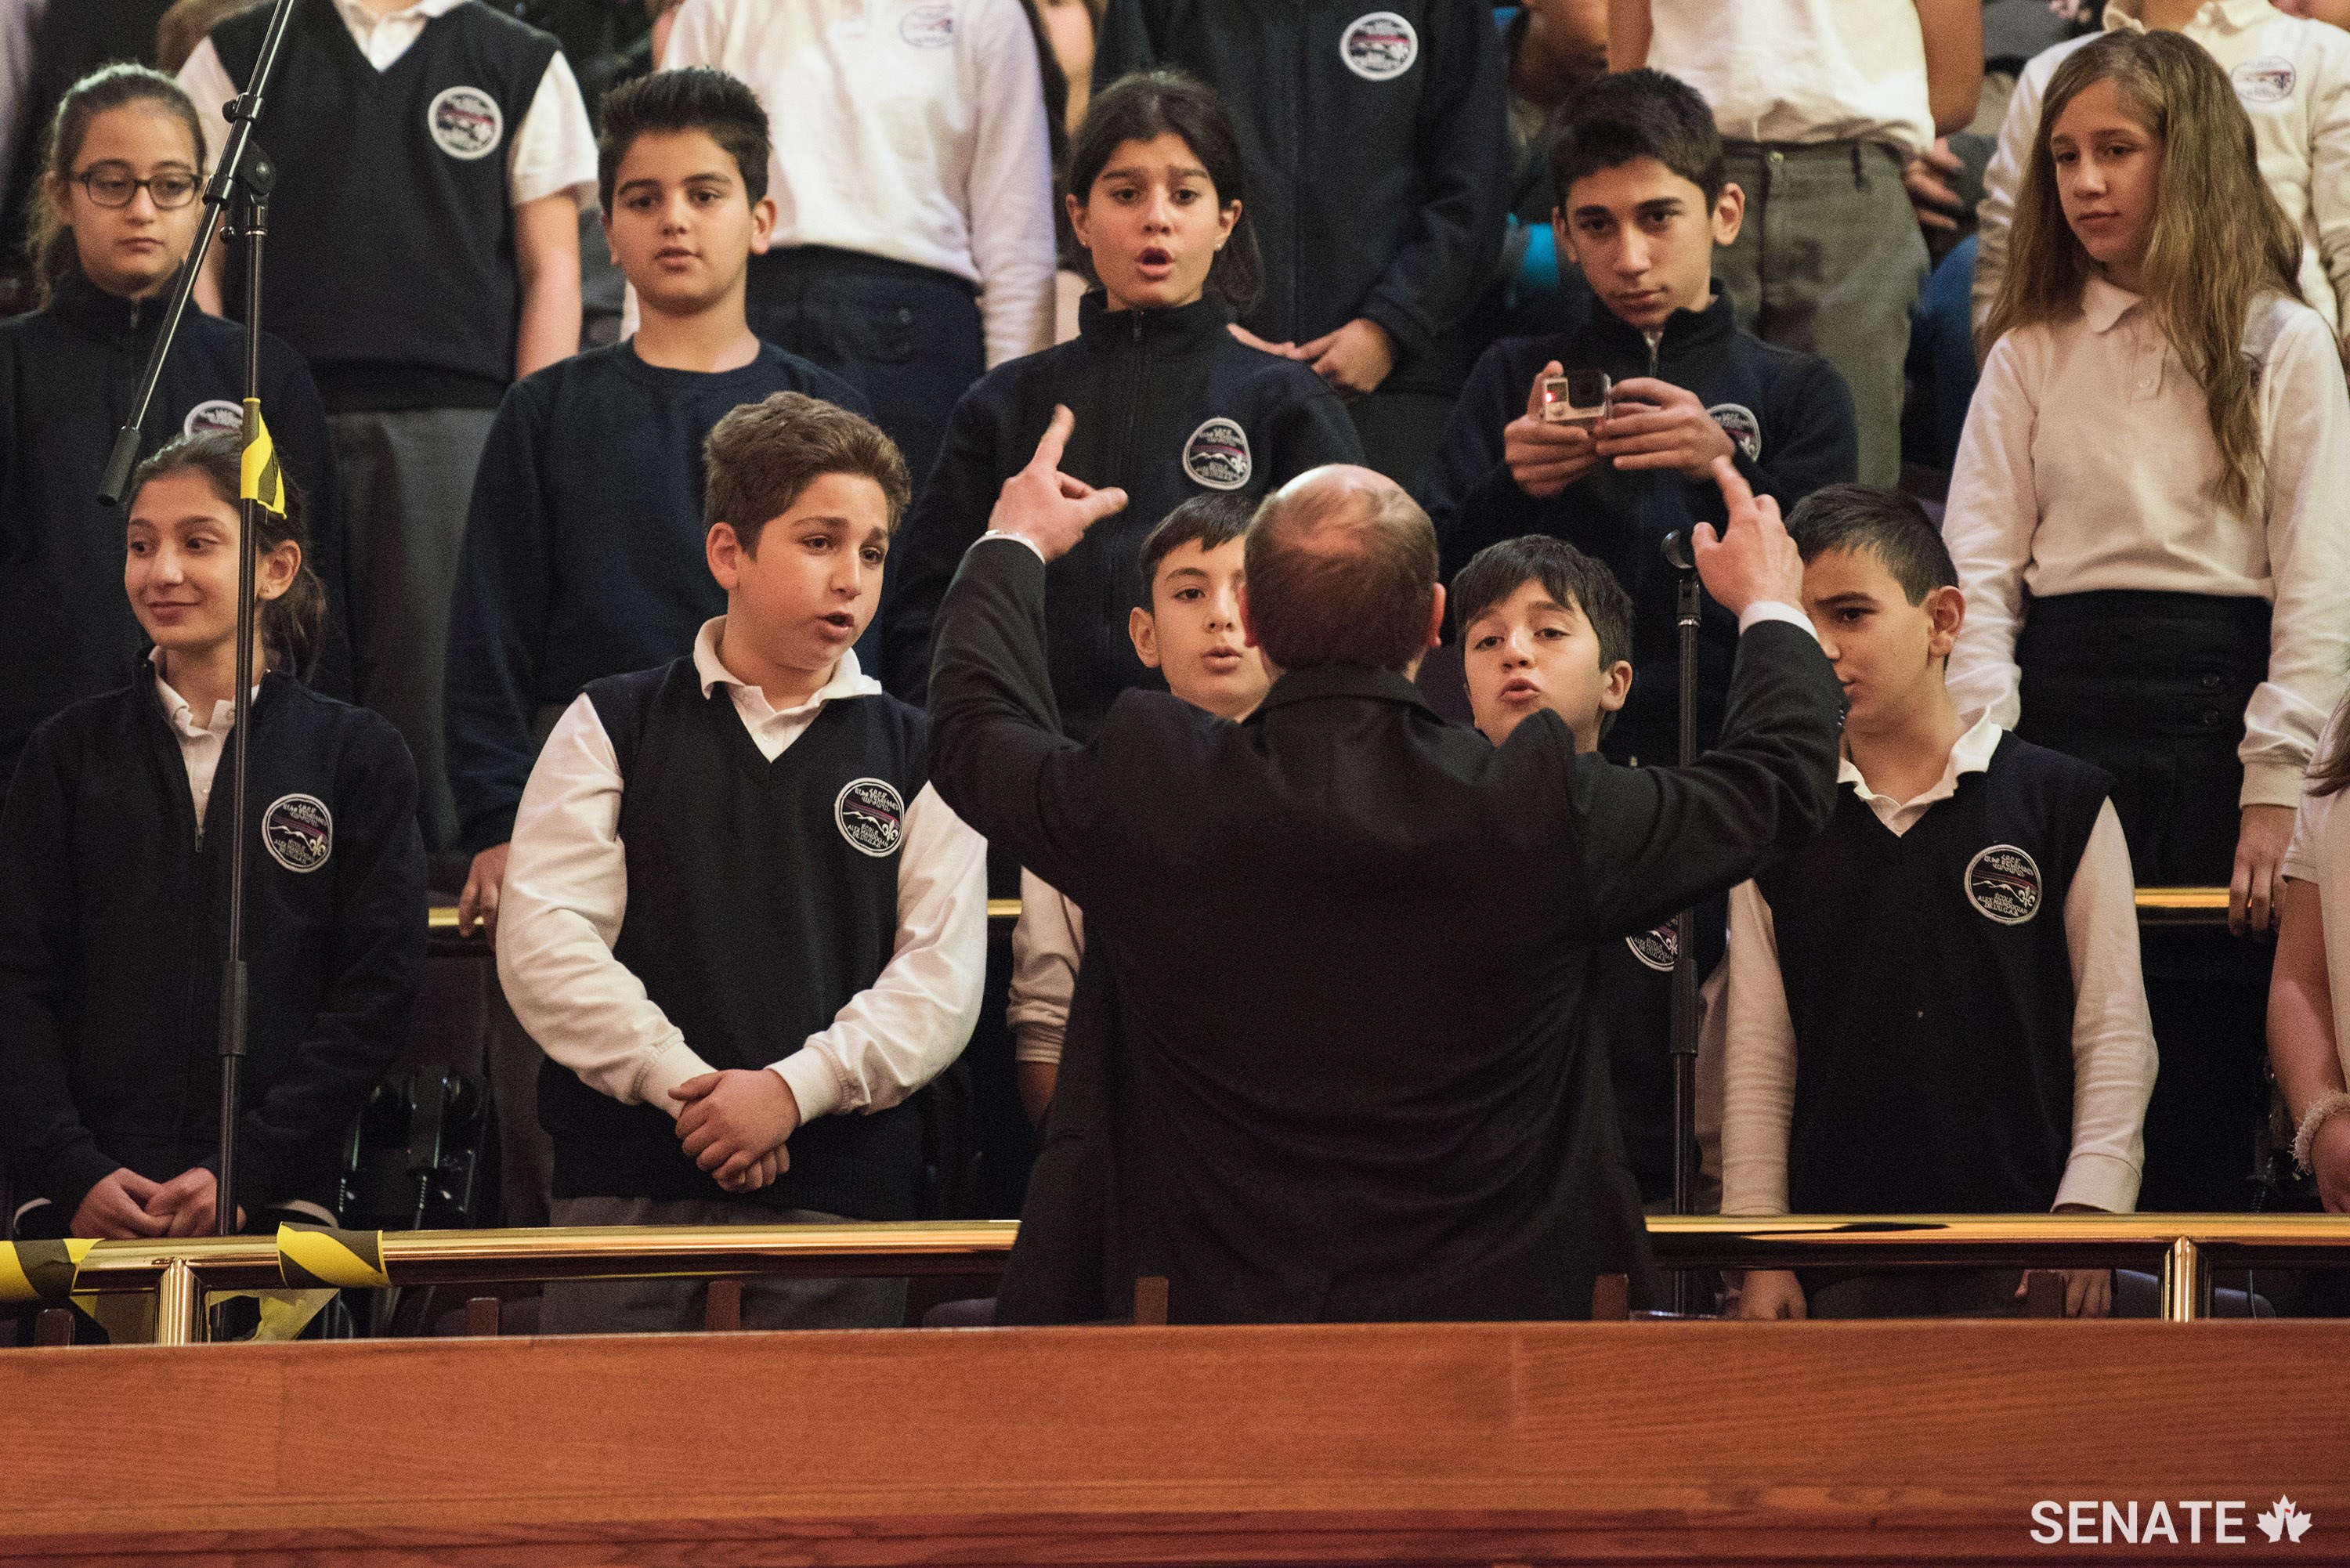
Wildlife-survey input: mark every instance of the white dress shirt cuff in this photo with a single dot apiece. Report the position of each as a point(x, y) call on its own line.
point(2098, 1181)
point(1762, 610)
point(1033, 548)
point(2270, 783)
point(677, 1063)
point(813, 1080)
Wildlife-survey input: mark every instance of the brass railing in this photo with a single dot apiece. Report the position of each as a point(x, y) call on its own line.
point(2156, 906)
point(2183, 1248)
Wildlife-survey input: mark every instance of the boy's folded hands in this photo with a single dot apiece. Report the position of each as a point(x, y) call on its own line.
point(734, 1123)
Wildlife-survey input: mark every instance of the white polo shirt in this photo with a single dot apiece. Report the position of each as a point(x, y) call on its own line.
point(913, 129)
point(1802, 71)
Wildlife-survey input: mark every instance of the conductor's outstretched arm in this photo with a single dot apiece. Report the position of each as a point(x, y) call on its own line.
point(997, 754)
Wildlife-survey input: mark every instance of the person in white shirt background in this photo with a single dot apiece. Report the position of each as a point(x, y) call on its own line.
point(2152, 543)
point(1823, 104)
point(913, 181)
point(2293, 77)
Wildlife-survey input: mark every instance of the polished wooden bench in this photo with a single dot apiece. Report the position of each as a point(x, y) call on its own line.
point(1484, 1444)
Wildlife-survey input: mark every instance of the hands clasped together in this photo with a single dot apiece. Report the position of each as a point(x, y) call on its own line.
point(734, 1124)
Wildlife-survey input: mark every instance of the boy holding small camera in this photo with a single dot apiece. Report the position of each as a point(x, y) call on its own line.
point(1602, 434)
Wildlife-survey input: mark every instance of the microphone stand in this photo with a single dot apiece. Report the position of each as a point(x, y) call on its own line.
point(246, 176)
point(1684, 1012)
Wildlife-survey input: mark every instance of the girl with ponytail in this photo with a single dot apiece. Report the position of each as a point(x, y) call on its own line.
point(115, 843)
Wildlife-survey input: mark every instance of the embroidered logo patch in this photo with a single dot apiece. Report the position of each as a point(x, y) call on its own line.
point(928, 26)
point(299, 832)
point(2003, 885)
point(1379, 45)
point(466, 122)
point(2267, 80)
point(1738, 423)
point(872, 816)
point(214, 414)
point(1217, 455)
point(1657, 949)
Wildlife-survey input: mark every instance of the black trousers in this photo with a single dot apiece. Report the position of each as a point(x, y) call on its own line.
point(2151, 687)
point(907, 337)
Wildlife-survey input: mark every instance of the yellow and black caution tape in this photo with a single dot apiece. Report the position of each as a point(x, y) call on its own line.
point(311, 1256)
point(262, 481)
point(41, 1271)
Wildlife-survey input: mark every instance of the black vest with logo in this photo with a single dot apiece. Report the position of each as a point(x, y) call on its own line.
point(391, 258)
point(1931, 986)
point(762, 897)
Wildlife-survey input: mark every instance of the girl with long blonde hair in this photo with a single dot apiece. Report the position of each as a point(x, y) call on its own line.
point(2149, 524)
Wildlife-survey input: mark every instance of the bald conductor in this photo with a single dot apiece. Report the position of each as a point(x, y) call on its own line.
point(1339, 953)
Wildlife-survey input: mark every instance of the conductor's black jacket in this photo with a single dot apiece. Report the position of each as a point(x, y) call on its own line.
point(113, 921)
point(1348, 954)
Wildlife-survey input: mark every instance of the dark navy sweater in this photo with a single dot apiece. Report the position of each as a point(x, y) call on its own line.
point(68, 374)
point(1169, 405)
point(583, 553)
point(1788, 415)
point(113, 913)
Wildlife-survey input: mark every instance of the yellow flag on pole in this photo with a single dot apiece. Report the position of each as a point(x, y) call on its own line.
point(263, 482)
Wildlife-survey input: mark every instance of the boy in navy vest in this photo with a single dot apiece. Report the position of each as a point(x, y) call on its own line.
point(1546, 626)
point(737, 919)
point(583, 553)
point(1190, 632)
point(1934, 1007)
point(1642, 206)
point(432, 159)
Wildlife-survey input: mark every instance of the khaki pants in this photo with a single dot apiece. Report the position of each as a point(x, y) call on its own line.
point(1830, 261)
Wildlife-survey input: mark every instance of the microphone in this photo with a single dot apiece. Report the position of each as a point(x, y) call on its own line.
point(1676, 549)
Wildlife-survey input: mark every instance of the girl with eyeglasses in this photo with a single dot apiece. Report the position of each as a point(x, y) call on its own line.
point(119, 205)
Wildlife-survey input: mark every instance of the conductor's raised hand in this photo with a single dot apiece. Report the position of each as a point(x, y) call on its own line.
point(1751, 559)
point(1047, 507)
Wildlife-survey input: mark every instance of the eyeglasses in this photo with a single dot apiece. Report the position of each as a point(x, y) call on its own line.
point(112, 187)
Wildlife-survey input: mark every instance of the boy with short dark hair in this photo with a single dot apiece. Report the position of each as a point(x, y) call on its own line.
point(738, 918)
point(1190, 632)
point(583, 550)
point(1642, 205)
point(1545, 627)
point(1936, 1006)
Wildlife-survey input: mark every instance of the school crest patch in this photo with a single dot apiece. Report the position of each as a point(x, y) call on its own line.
point(928, 26)
point(872, 816)
point(466, 123)
point(1217, 455)
point(1658, 948)
point(299, 832)
point(1738, 423)
point(1379, 45)
point(2268, 80)
point(2003, 885)
point(214, 414)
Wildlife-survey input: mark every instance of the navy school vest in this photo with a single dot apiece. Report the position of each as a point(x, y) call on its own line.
point(1931, 986)
point(761, 898)
point(392, 241)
